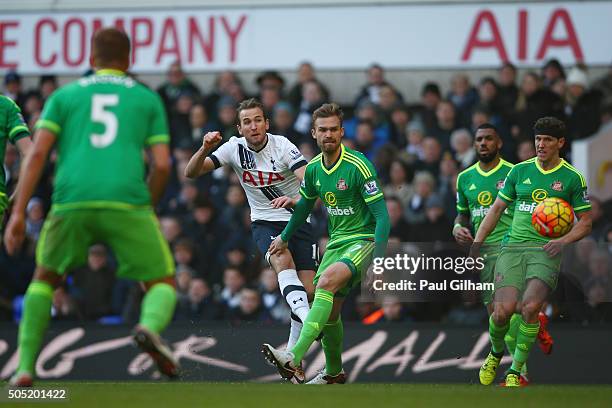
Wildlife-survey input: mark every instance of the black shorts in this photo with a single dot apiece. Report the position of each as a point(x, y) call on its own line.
point(304, 250)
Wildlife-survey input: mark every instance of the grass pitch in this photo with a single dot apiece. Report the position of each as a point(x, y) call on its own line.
point(180, 394)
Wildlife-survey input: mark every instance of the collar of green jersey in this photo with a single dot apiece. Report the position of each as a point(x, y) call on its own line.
point(336, 165)
point(493, 170)
point(110, 71)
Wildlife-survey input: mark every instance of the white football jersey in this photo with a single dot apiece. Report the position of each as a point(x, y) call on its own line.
point(265, 174)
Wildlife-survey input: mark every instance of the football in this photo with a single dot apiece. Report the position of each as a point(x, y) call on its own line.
point(553, 217)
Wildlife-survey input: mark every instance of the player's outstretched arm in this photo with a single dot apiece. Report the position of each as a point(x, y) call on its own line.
point(301, 211)
point(582, 228)
point(31, 171)
point(200, 163)
point(383, 226)
point(490, 220)
point(160, 171)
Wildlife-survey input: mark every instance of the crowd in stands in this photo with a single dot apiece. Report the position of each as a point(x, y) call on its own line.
point(418, 147)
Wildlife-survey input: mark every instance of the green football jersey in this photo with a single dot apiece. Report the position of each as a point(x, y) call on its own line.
point(476, 193)
point(12, 128)
point(102, 123)
point(345, 190)
point(528, 184)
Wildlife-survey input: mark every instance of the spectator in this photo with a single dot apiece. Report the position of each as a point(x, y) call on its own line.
point(270, 80)
point(171, 229)
point(533, 103)
point(432, 154)
point(489, 98)
point(367, 111)
point(227, 83)
point(282, 124)
point(200, 123)
point(399, 119)
point(184, 275)
point(582, 107)
point(249, 308)
point(604, 84)
point(464, 97)
point(365, 141)
point(399, 179)
point(371, 90)
point(389, 99)
point(430, 98)
point(199, 304)
point(12, 88)
point(32, 106)
point(393, 310)
point(184, 253)
point(93, 284)
point(525, 150)
point(228, 117)
point(35, 218)
point(415, 136)
point(424, 186)
point(47, 85)
point(436, 227)
point(507, 91)
point(181, 133)
point(233, 282)
point(176, 84)
point(552, 71)
point(461, 143)
point(446, 122)
point(312, 98)
point(305, 74)
point(272, 300)
point(399, 227)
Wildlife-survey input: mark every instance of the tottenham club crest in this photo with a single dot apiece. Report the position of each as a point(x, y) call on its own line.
point(557, 186)
point(371, 187)
point(341, 185)
point(500, 184)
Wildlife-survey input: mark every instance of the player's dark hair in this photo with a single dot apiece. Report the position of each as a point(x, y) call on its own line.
point(549, 126)
point(251, 103)
point(328, 110)
point(110, 46)
point(487, 125)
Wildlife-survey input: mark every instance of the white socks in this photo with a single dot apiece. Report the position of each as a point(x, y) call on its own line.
point(294, 332)
point(294, 293)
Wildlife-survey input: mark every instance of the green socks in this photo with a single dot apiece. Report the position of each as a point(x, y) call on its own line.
point(510, 338)
point(315, 321)
point(333, 334)
point(157, 307)
point(496, 334)
point(36, 315)
point(527, 334)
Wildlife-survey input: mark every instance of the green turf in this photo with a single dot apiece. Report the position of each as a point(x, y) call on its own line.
point(187, 395)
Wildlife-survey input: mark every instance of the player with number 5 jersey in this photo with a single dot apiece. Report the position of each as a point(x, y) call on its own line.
point(100, 125)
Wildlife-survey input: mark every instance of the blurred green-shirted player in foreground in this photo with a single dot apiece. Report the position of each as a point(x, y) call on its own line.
point(12, 129)
point(528, 264)
point(100, 125)
point(358, 222)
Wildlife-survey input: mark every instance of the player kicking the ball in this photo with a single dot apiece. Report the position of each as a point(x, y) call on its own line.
point(270, 169)
point(528, 265)
point(359, 228)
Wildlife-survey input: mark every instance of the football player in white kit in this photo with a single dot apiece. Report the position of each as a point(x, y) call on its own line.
point(270, 169)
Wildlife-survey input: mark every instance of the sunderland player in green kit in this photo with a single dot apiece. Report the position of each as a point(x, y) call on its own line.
point(358, 226)
point(477, 188)
point(100, 126)
point(528, 265)
point(12, 129)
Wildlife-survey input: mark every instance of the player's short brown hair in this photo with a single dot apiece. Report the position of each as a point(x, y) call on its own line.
point(110, 45)
point(549, 126)
point(328, 110)
point(251, 103)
